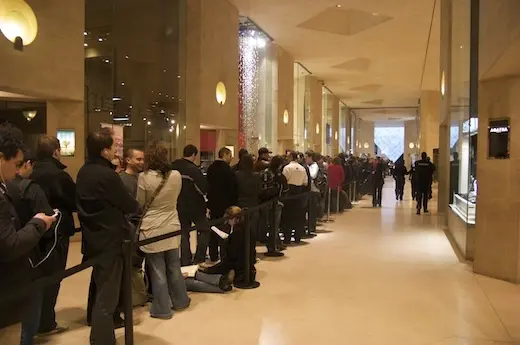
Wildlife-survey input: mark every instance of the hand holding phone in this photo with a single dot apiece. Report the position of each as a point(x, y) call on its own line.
point(48, 220)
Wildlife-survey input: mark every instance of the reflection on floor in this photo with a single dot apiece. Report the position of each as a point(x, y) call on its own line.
point(372, 277)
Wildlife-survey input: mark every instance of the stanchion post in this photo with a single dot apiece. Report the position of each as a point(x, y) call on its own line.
point(311, 212)
point(127, 292)
point(248, 282)
point(328, 204)
point(337, 199)
point(355, 192)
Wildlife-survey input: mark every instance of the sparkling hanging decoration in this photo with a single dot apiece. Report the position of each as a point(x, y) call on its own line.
point(249, 67)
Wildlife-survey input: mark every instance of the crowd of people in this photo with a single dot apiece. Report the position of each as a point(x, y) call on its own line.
point(275, 200)
point(144, 197)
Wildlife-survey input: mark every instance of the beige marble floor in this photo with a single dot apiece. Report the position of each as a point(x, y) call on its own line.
point(373, 277)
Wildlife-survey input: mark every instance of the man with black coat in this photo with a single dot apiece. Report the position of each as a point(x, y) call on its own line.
point(241, 153)
point(378, 180)
point(29, 199)
point(60, 190)
point(191, 206)
point(222, 193)
point(399, 173)
point(16, 242)
point(424, 173)
point(103, 207)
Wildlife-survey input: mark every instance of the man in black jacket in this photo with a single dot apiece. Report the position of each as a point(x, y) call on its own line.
point(222, 193)
point(29, 199)
point(399, 173)
point(191, 206)
point(103, 206)
point(378, 180)
point(424, 174)
point(60, 190)
point(16, 242)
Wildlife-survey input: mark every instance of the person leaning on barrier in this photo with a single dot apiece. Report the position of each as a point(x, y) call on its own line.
point(103, 207)
point(16, 242)
point(191, 206)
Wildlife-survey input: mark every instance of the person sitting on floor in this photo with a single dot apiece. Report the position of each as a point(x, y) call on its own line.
point(209, 283)
point(233, 249)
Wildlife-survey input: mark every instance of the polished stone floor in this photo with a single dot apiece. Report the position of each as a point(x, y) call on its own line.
point(372, 277)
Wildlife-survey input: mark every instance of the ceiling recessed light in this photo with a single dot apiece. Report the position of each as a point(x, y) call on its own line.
point(100, 39)
point(339, 5)
point(375, 13)
point(85, 44)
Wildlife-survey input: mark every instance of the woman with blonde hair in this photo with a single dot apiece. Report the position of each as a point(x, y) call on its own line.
point(157, 193)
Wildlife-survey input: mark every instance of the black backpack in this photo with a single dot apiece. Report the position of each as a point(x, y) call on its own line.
point(321, 181)
point(268, 188)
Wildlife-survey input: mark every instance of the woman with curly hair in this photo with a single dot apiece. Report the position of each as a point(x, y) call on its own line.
point(157, 193)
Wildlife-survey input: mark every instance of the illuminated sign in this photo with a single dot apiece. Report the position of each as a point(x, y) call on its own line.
point(498, 138)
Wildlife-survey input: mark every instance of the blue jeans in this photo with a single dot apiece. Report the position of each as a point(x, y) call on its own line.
point(32, 321)
point(204, 282)
point(168, 285)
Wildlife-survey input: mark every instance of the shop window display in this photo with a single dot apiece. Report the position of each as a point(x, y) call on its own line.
point(464, 119)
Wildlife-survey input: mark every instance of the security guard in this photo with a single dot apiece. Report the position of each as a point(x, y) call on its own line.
point(424, 174)
point(399, 173)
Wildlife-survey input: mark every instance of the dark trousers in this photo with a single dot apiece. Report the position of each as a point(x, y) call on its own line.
point(414, 190)
point(203, 236)
point(293, 215)
point(92, 294)
point(55, 263)
point(377, 195)
point(399, 188)
point(107, 279)
point(423, 195)
point(314, 201)
point(274, 227)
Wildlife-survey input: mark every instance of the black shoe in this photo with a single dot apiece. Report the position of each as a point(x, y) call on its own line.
point(226, 281)
point(282, 247)
point(426, 211)
point(419, 212)
point(119, 322)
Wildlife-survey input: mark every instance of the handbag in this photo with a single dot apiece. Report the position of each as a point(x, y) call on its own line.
point(149, 203)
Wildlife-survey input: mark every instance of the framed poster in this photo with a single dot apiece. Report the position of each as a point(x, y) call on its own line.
point(67, 138)
point(499, 132)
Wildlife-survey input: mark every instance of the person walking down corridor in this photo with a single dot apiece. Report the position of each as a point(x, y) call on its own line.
point(60, 190)
point(157, 193)
point(399, 173)
point(103, 207)
point(191, 206)
point(378, 180)
point(424, 174)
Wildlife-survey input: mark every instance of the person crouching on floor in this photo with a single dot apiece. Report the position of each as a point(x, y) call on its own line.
point(234, 252)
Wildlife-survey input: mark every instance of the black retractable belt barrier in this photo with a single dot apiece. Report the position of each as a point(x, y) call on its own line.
point(328, 220)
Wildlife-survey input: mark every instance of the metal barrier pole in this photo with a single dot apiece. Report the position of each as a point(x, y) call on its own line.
point(355, 192)
point(328, 205)
point(248, 282)
point(311, 212)
point(127, 292)
point(337, 199)
point(273, 233)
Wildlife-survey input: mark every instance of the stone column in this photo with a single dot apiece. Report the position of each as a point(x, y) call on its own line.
point(315, 114)
point(429, 121)
point(335, 125)
point(497, 242)
point(285, 102)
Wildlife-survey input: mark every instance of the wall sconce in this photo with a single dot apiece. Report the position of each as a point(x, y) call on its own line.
point(443, 84)
point(29, 114)
point(348, 140)
point(317, 128)
point(411, 145)
point(366, 146)
point(286, 117)
point(221, 93)
point(336, 135)
point(18, 23)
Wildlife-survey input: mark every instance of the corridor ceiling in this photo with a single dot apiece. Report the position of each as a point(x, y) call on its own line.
point(370, 53)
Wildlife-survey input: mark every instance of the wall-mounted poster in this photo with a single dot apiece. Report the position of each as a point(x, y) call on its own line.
point(67, 138)
point(499, 133)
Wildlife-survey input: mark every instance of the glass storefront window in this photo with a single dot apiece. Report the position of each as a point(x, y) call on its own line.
point(134, 71)
point(464, 121)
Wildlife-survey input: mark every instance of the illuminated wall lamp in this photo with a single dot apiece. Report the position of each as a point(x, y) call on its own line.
point(443, 84)
point(411, 145)
point(286, 117)
point(366, 146)
point(18, 23)
point(29, 114)
point(221, 94)
point(317, 128)
point(336, 135)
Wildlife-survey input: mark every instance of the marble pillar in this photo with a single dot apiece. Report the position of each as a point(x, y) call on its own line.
point(315, 131)
point(429, 121)
point(285, 103)
point(410, 141)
